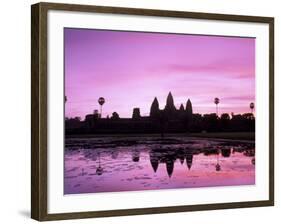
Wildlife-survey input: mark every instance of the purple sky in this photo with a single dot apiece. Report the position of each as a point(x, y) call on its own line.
point(129, 69)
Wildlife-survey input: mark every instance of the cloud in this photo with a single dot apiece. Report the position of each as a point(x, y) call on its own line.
point(224, 68)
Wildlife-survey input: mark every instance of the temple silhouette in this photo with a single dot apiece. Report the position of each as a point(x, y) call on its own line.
point(170, 119)
point(168, 156)
point(167, 120)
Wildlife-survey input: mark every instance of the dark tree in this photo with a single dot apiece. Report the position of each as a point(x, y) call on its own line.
point(115, 116)
point(252, 106)
point(197, 123)
point(216, 101)
point(210, 122)
point(101, 101)
point(225, 121)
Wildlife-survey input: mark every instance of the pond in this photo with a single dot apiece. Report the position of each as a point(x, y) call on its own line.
point(114, 164)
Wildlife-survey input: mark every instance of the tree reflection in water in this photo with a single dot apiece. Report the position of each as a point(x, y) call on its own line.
point(121, 164)
point(99, 170)
point(168, 154)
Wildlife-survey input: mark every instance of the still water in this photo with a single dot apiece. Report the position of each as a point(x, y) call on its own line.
point(130, 164)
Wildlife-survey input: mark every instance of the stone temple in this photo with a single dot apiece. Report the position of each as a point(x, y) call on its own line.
point(170, 112)
point(167, 120)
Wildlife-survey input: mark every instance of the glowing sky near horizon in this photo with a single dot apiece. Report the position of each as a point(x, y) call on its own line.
point(129, 69)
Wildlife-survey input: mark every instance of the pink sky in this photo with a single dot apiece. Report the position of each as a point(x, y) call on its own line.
point(129, 69)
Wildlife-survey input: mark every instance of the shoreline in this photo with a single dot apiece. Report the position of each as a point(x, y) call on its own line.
point(219, 136)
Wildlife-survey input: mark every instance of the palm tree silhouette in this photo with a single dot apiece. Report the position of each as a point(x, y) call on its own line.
point(252, 106)
point(218, 166)
point(101, 102)
point(99, 170)
point(217, 101)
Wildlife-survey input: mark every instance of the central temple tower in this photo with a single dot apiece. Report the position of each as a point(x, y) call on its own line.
point(170, 108)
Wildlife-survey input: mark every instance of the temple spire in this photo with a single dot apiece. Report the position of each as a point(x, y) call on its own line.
point(189, 114)
point(189, 159)
point(181, 107)
point(170, 100)
point(170, 166)
point(154, 109)
point(170, 103)
point(189, 107)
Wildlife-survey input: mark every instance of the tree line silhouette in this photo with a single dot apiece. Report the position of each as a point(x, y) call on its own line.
point(213, 123)
point(167, 120)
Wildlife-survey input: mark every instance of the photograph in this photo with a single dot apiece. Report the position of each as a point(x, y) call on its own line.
point(154, 111)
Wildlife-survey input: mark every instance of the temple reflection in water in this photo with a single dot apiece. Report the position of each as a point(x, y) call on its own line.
point(169, 155)
point(147, 163)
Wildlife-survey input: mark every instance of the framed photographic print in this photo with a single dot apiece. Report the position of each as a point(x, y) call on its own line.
point(141, 111)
